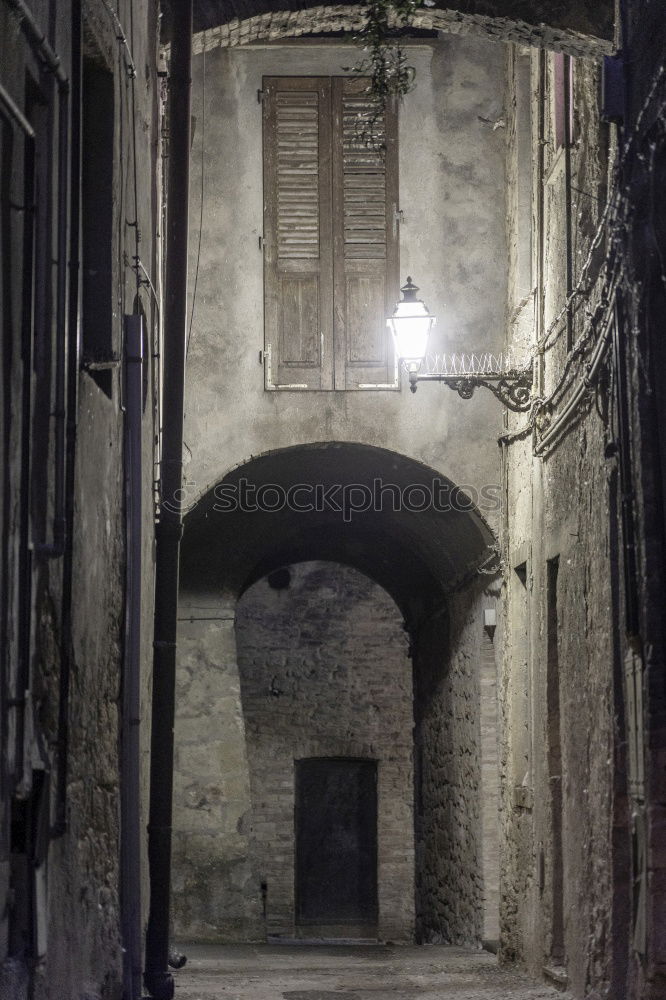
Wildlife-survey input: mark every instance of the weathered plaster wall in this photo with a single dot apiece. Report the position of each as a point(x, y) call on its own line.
point(323, 672)
point(215, 889)
point(558, 507)
point(452, 242)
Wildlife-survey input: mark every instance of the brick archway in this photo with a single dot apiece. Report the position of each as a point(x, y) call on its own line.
point(579, 28)
point(426, 557)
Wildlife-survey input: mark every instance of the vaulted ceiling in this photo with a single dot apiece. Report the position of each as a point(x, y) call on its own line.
point(586, 24)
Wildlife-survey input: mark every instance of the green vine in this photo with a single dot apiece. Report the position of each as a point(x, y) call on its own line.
point(385, 60)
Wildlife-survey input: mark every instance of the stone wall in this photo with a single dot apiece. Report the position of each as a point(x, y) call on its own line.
point(559, 685)
point(216, 895)
point(457, 775)
point(323, 672)
point(581, 28)
point(453, 241)
point(64, 616)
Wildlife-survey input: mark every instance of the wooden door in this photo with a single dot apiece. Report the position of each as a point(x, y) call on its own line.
point(336, 841)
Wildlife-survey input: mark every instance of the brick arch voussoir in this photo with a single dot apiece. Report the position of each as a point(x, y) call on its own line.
point(502, 27)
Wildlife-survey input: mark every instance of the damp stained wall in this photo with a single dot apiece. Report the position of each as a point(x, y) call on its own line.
point(452, 240)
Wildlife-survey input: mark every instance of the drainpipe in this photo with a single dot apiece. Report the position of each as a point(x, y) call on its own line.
point(157, 978)
point(130, 755)
point(568, 221)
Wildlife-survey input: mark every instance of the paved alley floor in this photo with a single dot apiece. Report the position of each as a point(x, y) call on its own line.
point(373, 972)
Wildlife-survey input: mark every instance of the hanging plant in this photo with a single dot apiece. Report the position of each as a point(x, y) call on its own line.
point(385, 60)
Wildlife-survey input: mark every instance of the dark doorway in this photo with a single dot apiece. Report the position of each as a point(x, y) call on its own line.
point(336, 841)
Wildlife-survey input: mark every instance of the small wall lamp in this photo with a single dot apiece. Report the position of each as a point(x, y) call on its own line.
point(411, 324)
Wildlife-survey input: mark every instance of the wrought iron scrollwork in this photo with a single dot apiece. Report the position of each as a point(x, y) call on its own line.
point(513, 388)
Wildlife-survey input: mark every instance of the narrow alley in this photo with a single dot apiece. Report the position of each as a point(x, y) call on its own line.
point(332, 499)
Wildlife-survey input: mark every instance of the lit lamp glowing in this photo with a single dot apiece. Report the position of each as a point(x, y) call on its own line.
point(410, 325)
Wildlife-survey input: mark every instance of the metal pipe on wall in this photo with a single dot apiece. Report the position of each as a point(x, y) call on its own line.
point(37, 40)
point(130, 751)
point(52, 63)
point(568, 221)
point(157, 978)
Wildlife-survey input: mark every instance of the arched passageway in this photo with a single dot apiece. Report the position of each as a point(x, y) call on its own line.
point(414, 536)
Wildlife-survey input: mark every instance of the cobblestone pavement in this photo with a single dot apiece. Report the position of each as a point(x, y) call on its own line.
point(320, 972)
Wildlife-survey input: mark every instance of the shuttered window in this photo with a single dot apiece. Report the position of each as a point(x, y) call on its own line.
point(330, 236)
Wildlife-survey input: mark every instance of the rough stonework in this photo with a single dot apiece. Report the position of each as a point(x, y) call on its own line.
point(462, 625)
point(66, 502)
point(580, 29)
point(557, 692)
point(455, 711)
point(323, 673)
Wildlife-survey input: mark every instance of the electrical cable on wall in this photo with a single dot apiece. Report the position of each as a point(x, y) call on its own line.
point(612, 226)
point(201, 194)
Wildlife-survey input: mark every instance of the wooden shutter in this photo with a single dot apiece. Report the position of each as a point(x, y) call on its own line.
point(365, 236)
point(330, 236)
point(298, 257)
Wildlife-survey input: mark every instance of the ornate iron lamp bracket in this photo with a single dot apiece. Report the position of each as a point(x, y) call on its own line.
point(512, 388)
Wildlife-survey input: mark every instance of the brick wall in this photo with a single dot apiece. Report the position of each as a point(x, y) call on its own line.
point(324, 672)
point(322, 668)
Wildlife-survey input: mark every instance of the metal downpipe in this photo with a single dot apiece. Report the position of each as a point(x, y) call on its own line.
point(158, 980)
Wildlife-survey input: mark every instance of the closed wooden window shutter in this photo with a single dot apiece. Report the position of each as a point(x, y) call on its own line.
point(298, 255)
point(365, 237)
point(330, 236)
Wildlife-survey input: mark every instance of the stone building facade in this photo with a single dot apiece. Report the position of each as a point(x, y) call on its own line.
point(451, 194)
point(558, 693)
point(564, 650)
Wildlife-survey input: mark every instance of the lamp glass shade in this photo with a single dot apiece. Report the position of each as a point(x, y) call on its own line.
point(410, 325)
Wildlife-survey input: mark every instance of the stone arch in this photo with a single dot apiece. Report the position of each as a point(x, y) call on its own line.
point(428, 561)
point(418, 556)
point(581, 29)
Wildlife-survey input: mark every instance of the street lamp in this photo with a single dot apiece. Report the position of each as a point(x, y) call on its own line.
point(411, 324)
